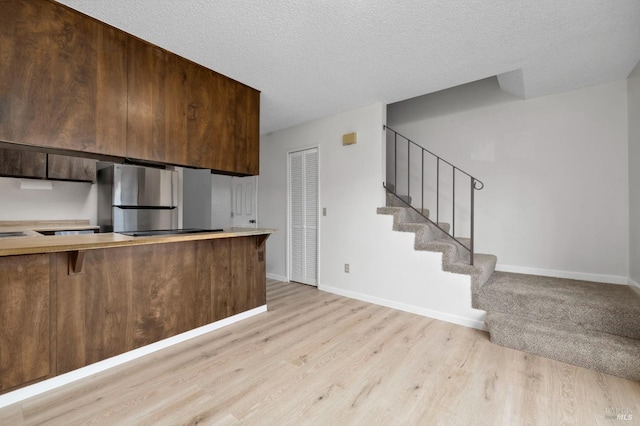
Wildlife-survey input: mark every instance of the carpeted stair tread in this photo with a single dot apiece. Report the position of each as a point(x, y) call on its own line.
point(403, 215)
point(419, 226)
point(394, 200)
point(389, 210)
point(482, 268)
point(412, 226)
point(451, 251)
point(606, 308)
point(604, 352)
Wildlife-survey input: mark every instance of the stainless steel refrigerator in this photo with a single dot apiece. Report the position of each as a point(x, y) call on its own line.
point(137, 198)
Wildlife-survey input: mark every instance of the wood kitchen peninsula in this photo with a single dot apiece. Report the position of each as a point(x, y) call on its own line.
point(70, 301)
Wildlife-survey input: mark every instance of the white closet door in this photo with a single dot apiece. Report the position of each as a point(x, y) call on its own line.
point(303, 216)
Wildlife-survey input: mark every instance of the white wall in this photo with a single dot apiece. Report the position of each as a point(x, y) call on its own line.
point(633, 87)
point(197, 194)
point(384, 267)
point(67, 200)
point(221, 201)
point(556, 200)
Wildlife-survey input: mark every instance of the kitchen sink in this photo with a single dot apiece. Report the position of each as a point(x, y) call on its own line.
point(13, 234)
point(156, 232)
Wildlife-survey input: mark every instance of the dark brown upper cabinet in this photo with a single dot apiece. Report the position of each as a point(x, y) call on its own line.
point(157, 103)
point(63, 81)
point(185, 114)
point(71, 83)
point(211, 120)
point(20, 163)
point(39, 165)
point(247, 131)
point(63, 167)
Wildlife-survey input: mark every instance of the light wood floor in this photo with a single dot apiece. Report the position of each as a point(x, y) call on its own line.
point(318, 358)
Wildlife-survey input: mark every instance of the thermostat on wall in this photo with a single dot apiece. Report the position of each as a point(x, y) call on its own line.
point(350, 139)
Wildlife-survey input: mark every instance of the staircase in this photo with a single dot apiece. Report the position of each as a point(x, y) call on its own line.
point(429, 237)
point(592, 325)
point(583, 323)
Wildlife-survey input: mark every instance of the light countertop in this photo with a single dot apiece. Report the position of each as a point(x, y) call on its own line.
point(38, 243)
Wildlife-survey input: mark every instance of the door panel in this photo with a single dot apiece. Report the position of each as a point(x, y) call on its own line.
point(243, 193)
point(303, 216)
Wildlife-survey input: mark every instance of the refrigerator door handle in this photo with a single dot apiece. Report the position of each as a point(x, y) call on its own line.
point(145, 207)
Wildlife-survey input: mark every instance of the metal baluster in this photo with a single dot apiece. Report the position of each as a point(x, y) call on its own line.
point(422, 188)
point(438, 191)
point(453, 218)
point(473, 181)
point(395, 162)
point(408, 170)
point(472, 214)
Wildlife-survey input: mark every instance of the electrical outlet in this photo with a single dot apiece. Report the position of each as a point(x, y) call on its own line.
point(324, 211)
point(346, 268)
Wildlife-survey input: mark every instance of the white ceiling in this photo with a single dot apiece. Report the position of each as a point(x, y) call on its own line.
point(316, 58)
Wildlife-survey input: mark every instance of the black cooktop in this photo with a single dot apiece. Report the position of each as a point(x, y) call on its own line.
point(156, 232)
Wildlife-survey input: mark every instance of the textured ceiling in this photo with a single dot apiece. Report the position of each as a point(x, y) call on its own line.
point(316, 58)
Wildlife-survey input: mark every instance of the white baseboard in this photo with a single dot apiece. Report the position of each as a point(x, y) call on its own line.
point(634, 285)
point(599, 278)
point(277, 277)
point(63, 379)
point(430, 313)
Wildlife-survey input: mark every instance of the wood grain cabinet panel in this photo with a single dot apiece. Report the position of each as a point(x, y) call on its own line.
point(55, 318)
point(94, 308)
point(247, 131)
point(211, 120)
point(39, 165)
point(185, 114)
point(222, 304)
point(167, 297)
point(62, 79)
point(24, 320)
point(238, 276)
point(126, 298)
point(157, 104)
point(68, 81)
point(64, 167)
point(21, 163)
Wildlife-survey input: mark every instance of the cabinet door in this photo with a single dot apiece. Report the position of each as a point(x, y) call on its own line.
point(24, 319)
point(62, 79)
point(158, 105)
point(20, 163)
point(94, 313)
point(247, 131)
point(237, 277)
point(211, 120)
point(168, 299)
point(125, 298)
point(63, 167)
